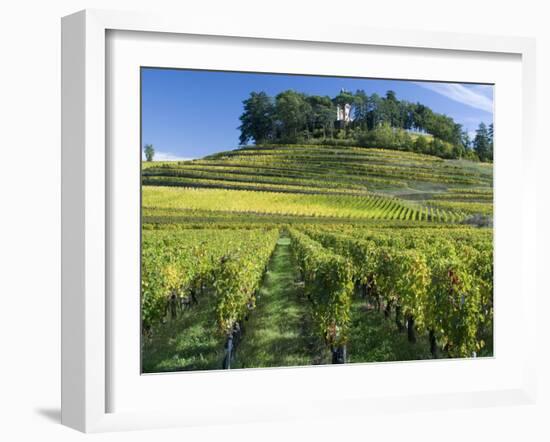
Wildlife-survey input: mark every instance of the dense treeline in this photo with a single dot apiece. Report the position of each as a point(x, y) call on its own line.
point(374, 121)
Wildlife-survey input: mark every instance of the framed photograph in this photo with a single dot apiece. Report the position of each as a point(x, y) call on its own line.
point(258, 221)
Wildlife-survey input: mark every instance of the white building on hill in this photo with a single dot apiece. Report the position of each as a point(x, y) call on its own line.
point(343, 113)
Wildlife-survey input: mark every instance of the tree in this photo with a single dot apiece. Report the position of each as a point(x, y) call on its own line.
point(344, 98)
point(491, 140)
point(407, 114)
point(466, 141)
point(422, 116)
point(389, 109)
point(257, 120)
point(149, 152)
point(383, 135)
point(390, 96)
point(293, 112)
point(456, 134)
point(322, 113)
point(482, 144)
point(421, 144)
point(360, 107)
point(374, 117)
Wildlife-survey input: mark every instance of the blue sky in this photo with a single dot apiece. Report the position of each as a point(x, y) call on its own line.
point(190, 114)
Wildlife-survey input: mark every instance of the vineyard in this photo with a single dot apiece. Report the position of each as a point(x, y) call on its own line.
point(297, 255)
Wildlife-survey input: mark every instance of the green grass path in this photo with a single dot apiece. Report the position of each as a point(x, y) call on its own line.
point(278, 332)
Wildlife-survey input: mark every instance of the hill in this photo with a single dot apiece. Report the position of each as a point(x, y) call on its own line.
point(320, 182)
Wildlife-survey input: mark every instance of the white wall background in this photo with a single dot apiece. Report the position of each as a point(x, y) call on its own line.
point(30, 215)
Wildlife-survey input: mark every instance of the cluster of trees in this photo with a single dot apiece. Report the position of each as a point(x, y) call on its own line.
point(483, 142)
point(294, 117)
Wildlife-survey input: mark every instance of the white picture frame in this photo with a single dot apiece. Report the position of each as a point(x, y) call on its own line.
point(87, 209)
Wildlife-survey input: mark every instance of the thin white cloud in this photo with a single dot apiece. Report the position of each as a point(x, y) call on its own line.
point(461, 94)
point(167, 156)
point(483, 89)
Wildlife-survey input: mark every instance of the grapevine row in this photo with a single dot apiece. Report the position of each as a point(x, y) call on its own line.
point(329, 287)
point(439, 287)
point(178, 265)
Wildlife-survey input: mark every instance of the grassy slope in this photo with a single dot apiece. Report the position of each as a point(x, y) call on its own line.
point(326, 168)
point(328, 171)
